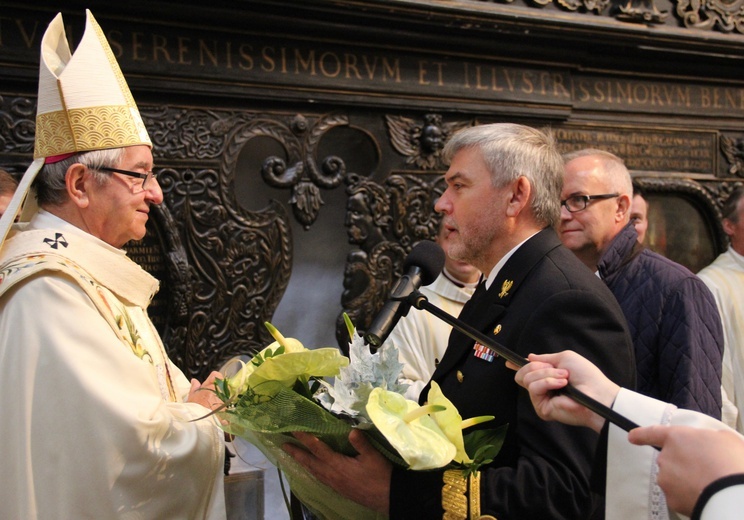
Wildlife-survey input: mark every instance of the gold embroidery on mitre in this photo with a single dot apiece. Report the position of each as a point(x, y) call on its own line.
point(506, 287)
point(53, 136)
point(93, 128)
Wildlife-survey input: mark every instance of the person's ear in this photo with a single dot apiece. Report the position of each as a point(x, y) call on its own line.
point(520, 192)
point(728, 227)
point(623, 207)
point(75, 181)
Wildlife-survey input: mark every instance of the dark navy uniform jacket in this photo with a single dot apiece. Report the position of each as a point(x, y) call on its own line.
point(543, 300)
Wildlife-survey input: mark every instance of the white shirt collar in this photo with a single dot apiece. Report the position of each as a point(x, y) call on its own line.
point(495, 271)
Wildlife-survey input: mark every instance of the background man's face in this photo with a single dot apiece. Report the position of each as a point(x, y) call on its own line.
point(639, 216)
point(592, 229)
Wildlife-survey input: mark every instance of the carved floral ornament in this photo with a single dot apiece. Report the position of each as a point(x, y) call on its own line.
point(708, 15)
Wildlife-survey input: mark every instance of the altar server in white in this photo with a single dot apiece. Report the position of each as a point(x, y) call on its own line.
point(420, 337)
point(725, 279)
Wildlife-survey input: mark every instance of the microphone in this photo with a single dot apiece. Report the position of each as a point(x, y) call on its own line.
point(421, 267)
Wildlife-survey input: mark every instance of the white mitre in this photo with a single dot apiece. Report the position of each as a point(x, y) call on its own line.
point(84, 104)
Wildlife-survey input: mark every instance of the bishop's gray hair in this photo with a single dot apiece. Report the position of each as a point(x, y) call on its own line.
point(50, 182)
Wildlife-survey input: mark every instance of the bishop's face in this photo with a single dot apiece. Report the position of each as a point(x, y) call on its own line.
point(118, 210)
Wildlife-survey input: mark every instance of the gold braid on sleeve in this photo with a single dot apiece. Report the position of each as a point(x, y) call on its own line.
point(461, 496)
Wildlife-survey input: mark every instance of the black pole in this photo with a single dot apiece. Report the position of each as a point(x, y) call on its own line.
point(420, 301)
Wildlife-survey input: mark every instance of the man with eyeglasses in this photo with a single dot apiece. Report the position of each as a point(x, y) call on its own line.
point(97, 422)
point(671, 314)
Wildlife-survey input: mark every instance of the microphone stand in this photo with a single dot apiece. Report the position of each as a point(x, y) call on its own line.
point(418, 300)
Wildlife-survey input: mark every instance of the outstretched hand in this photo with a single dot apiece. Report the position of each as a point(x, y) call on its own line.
point(364, 479)
point(546, 373)
point(712, 453)
point(204, 393)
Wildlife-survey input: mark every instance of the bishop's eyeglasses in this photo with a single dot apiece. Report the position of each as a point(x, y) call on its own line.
point(580, 202)
point(146, 177)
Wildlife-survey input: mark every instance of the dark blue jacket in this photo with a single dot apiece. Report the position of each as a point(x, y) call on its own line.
point(674, 323)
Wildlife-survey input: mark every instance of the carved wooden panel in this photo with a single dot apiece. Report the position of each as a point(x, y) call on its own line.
point(225, 268)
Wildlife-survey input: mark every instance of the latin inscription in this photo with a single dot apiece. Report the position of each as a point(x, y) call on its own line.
point(294, 64)
point(647, 150)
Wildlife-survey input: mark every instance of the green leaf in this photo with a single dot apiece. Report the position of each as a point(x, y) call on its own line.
point(483, 446)
point(349, 326)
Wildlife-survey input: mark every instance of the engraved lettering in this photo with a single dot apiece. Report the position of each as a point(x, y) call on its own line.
point(440, 72)
point(656, 96)
point(370, 67)
point(495, 81)
point(424, 71)
point(160, 47)
point(246, 56)
point(478, 84)
point(391, 70)
point(599, 94)
point(205, 51)
point(268, 64)
point(640, 93)
point(623, 92)
point(559, 89)
point(332, 70)
point(511, 77)
point(183, 50)
point(307, 65)
point(137, 47)
point(705, 97)
point(527, 86)
point(351, 65)
point(28, 38)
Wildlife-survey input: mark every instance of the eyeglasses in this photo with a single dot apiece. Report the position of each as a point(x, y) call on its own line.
point(144, 176)
point(580, 202)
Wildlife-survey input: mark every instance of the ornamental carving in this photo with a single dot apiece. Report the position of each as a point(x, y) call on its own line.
point(17, 124)
point(301, 173)
point(641, 11)
point(724, 15)
point(385, 221)
point(421, 142)
point(733, 151)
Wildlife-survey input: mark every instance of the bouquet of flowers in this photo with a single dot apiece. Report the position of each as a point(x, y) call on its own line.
point(283, 389)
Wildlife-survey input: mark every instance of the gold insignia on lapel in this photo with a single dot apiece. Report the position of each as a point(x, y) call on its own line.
point(460, 377)
point(506, 287)
point(497, 329)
